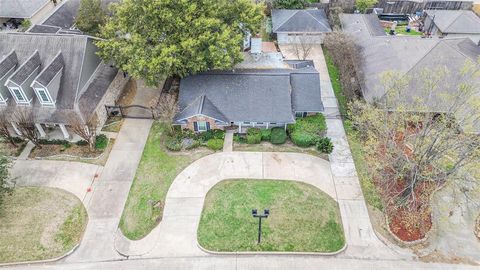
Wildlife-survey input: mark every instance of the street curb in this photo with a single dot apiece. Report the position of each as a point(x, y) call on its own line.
point(42, 261)
point(272, 252)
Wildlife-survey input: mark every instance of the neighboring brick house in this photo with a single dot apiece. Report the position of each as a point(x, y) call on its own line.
point(300, 26)
point(243, 98)
point(54, 77)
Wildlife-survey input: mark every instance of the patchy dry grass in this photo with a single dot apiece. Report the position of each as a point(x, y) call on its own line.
point(302, 217)
point(155, 173)
point(38, 223)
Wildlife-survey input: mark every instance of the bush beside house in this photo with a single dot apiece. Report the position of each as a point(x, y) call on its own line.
point(278, 136)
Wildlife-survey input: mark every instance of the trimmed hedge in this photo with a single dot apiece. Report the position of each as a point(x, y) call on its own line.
point(215, 144)
point(254, 135)
point(325, 145)
point(266, 134)
point(173, 144)
point(303, 139)
point(101, 141)
point(53, 142)
point(211, 134)
point(81, 143)
point(308, 130)
point(278, 135)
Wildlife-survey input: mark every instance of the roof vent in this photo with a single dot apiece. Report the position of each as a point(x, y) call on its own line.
point(256, 46)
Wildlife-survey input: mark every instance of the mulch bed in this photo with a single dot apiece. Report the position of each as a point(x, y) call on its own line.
point(74, 150)
point(10, 150)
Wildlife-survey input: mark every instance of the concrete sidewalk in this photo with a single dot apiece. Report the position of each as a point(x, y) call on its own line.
point(228, 141)
point(360, 235)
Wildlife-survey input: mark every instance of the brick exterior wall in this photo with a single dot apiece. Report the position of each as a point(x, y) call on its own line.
point(111, 96)
point(200, 118)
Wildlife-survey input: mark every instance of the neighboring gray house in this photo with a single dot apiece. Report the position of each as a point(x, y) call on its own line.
point(33, 10)
point(304, 25)
point(62, 19)
point(54, 76)
point(246, 98)
point(408, 55)
point(453, 23)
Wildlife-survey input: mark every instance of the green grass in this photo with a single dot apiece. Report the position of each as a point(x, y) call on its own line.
point(155, 173)
point(401, 30)
point(368, 187)
point(38, 223)
point(302, 217)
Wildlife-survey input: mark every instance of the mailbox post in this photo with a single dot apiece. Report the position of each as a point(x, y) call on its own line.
point(255, 214)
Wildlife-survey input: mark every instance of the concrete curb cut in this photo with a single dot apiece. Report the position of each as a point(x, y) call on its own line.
point(119, 236)
point(42, 261)
point(272, 252)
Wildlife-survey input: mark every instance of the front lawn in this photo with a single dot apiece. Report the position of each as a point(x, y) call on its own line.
point(155, 173)
point(302, 217)
point(38, 223)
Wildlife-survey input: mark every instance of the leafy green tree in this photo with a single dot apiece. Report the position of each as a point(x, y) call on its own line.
point(91, 16)
point(290, 4)
point(5, 186)
point(363, 5)
point(153, 38)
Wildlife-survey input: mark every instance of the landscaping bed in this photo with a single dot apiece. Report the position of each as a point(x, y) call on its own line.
point(113, 124)
point(157, 169)
point(39, 223)
point(12, 150)
point(302, 218)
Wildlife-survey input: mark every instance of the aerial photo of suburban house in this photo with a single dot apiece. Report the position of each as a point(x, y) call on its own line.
point(264, 91)
point(295, 26)
point(53, 76)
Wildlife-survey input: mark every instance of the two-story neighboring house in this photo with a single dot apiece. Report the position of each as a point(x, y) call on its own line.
point(54, 77)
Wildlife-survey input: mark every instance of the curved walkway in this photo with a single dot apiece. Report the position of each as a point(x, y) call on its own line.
point(176, 235)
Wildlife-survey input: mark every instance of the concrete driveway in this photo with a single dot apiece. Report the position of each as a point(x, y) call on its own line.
point(74, 177)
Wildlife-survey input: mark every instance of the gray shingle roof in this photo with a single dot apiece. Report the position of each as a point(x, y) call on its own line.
point(301, 21)
point(7, 62)
point(20, 8)
point(79, 60)
point(409, 56)
point(49, 72)
point(253, 95)
point(26, 69)
point(456, 21)
point(373, 25)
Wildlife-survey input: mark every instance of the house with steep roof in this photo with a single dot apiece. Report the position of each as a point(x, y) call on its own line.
point(453, 23)
point(300, 25)
point(409, 56)
point(33, 10)
point(54, 77)
point(250, 96)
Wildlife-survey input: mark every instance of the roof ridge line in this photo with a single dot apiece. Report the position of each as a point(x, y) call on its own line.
point(287, 19)
point(315, 18)
point(454, 20)
point(423, 57)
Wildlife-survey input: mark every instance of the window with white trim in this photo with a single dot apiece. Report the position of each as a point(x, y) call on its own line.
point(43, 95)
point(202, 126)
point(18, 94)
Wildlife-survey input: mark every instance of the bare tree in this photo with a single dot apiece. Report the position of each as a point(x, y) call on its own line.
point(4, 128)
point(166, 108)
point(25, 120)
point(346, 57)
point(421, 134)
point(302, 45)
point(86, 130)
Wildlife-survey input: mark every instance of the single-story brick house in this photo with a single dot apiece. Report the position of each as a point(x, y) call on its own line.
point(300, 25)
point(453, 24)
point(55, 77)
point(243, 98)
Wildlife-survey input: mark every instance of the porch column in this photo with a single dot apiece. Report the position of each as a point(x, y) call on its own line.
point(285, 126)
point(40, 130)
point(16, 129)
point(64, 131)
point(240, 127)
point(267, 124)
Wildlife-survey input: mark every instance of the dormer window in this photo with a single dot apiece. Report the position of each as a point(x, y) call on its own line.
point(18, 94)
point(43, 96)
